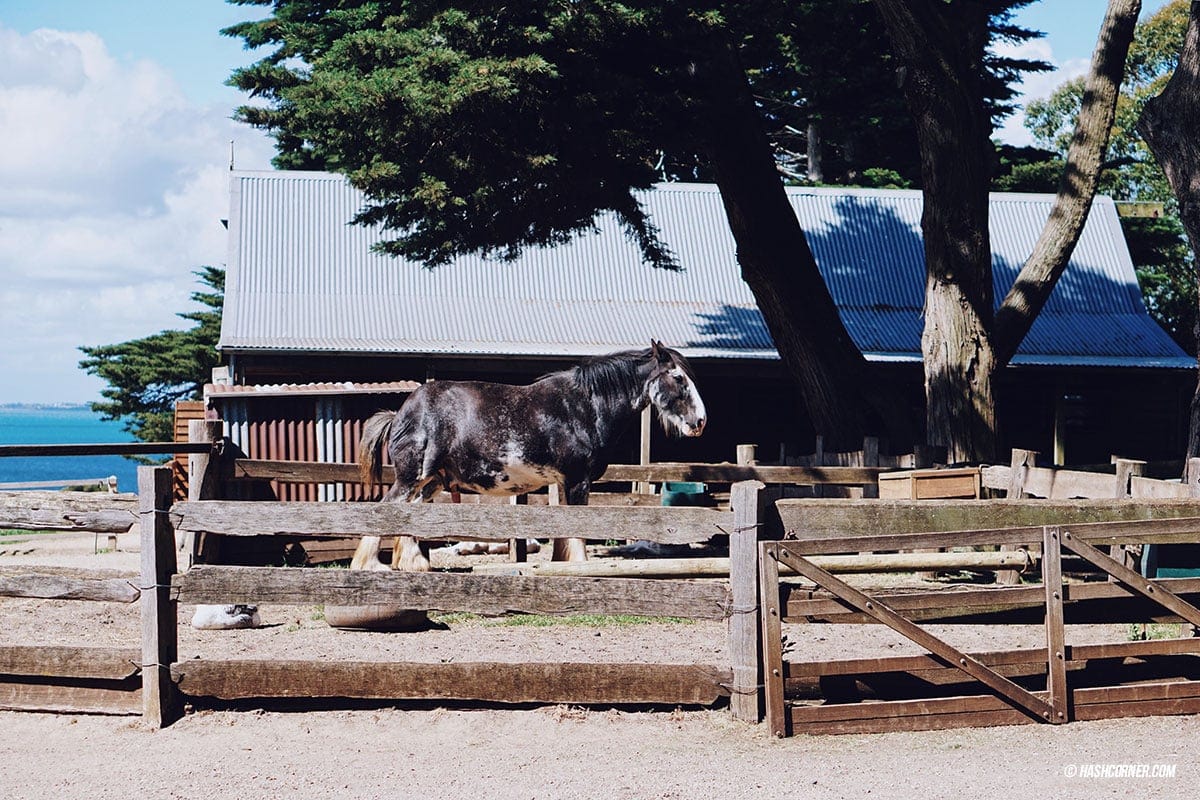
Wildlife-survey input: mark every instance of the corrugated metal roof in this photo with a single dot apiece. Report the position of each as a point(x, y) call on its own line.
point(339, 388)
point(301, 278)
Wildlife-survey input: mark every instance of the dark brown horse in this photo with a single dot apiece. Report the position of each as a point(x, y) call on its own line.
point(494, 438)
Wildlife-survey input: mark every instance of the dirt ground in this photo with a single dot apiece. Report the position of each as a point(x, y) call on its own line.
point(545, 752)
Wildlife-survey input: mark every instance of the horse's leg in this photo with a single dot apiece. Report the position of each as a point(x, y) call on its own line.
point(409, 554)
point(572, 549)
point(366, 555)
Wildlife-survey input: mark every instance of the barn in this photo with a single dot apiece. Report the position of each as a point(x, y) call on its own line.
point(308, 303)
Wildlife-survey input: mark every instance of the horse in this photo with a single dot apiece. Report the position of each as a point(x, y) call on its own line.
point(499, 439)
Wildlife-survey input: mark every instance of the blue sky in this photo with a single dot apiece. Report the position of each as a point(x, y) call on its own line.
point(181, 35)
point(114, 151)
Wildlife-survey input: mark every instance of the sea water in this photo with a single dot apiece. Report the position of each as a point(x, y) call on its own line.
point(67, 424)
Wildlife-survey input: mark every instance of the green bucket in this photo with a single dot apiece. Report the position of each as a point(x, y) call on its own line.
point(684, 493)
point(1171, 561)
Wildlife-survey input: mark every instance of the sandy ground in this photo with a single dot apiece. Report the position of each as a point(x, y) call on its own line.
point(547, 752)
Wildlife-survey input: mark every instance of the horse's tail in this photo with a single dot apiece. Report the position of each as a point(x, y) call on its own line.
point(370, 447)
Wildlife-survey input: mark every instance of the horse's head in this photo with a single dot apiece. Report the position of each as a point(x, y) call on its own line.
point(672, 390)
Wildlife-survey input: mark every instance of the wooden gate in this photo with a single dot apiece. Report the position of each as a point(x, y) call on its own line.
point(947, 687)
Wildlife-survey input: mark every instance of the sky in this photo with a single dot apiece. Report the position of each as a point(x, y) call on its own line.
point(115, 143)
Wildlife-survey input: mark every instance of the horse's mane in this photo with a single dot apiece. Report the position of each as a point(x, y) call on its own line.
point(615, 373)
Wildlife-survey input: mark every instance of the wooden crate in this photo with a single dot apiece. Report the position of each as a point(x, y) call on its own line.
point(929, 484)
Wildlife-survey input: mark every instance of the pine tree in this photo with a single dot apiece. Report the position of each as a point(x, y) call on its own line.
point(147, 376)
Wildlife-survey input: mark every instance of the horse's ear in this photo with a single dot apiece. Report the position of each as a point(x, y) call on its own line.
point(657, 349)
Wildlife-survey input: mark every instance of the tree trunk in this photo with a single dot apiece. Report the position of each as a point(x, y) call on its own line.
point(1077, 186)
point(941, 48)
point(1169, 124)
point(778, 265)
point(813, 151)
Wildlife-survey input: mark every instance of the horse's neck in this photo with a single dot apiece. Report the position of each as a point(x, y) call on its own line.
point(614, 413)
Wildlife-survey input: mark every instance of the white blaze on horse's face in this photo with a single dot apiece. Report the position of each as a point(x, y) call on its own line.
point(678, 401)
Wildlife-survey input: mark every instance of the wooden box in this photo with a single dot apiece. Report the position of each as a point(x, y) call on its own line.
point(929, 484)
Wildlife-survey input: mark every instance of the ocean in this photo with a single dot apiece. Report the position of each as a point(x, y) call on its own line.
point(21, 424)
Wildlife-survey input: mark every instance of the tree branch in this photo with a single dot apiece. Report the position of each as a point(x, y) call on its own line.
point(1076, 188)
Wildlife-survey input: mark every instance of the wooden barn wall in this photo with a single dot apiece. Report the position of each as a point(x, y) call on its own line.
point(185, 412)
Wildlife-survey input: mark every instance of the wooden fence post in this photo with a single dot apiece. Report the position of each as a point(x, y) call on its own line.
point(871, 459)
point(1056, 646)
point(747, 455)
point(160, 648)
point(1126, 468)
point(1022, 461)
point(518, 547)
point(204, 473)
point(745, 498)
point(1192, 476)
point(204, 468)
point(1130, 554)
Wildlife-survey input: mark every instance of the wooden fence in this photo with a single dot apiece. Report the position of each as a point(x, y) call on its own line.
point(101, 680)
point(951, 688)
point(734, 600)
point(945, 687)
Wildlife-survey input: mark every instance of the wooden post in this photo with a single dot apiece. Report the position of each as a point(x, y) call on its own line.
point(1060, 427)
point(747, 455)
point(871, 459)
point(203, 484)
point(1192, 477)
point(819, 461)
point(1022, 461)
point(1130, 554)
point(645, 487)
point(160, 649)
point(1056, 646)
point(518, 548)
point(772, 640)
point(743, 583)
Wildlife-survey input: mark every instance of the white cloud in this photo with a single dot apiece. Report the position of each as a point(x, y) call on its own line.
point(1035, 86)
point(114, 188)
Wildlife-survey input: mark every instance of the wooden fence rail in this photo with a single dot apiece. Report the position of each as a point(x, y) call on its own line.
point(93, 512)
point(99, 680)
point(103, 449)
point(318, 472)
point(666, 525)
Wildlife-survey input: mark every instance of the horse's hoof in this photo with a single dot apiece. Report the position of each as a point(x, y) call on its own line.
point(377, 618)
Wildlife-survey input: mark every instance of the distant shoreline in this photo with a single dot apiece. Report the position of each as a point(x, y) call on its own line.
point(45, 405)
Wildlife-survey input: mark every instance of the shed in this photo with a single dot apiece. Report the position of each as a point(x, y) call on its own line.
point(307, 300)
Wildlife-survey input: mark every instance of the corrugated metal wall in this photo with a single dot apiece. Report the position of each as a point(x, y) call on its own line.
point(324, 429)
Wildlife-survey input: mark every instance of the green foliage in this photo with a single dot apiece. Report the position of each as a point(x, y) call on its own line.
point(490, 127)
point(1026, 169)
point(882, 178)
point(1166, 273)
point(1132, 172)
point(146, 376)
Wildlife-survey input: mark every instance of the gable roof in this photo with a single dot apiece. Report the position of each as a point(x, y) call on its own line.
point(302, 279)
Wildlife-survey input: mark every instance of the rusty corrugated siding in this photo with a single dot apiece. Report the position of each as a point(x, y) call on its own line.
point(304, 423)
